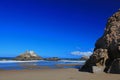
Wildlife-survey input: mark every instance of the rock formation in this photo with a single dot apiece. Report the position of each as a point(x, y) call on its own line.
point(52, 59)
point(107, 48)
point(84, 58)
point(28, 55)
point(115, 66)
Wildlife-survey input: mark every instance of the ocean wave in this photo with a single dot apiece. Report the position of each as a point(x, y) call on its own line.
point(64, 61)
point(14, 61)
point(74, 61)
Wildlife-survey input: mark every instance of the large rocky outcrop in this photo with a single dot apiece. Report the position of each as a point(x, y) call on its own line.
point(107, 48)
point(28, 55)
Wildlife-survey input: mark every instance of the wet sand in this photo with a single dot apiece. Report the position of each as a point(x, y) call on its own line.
point(55, 74)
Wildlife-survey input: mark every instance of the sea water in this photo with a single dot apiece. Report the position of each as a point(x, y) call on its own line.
point(39, 64)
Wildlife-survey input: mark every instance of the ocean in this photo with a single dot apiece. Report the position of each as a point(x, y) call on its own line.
point(39, 64)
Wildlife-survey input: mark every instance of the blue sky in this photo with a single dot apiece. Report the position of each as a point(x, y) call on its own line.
point(52, 27)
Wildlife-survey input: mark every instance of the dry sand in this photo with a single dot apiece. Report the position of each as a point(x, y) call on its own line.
point(55, 74)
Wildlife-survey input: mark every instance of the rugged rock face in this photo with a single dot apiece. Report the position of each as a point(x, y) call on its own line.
point(28, 55)
point(115, 67)
point(98, 59)
point(107, 48)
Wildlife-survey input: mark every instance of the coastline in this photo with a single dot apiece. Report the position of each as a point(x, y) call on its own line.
point(39, 64)
point(55, 74)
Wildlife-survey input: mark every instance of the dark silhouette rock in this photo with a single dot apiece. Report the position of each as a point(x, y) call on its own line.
point(107, 48)
point(115, 67)
point(52, 59)
point(28, 55)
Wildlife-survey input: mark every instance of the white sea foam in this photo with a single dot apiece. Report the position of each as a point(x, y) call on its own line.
point(73, 61)
point(13, 61)
point(65, 61)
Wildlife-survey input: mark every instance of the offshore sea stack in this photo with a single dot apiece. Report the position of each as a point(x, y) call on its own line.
point(106, 55)
point(28, 55)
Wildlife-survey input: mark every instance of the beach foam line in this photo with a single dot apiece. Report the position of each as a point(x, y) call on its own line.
point(13, 61)
point(65, 61)
point(74, 61)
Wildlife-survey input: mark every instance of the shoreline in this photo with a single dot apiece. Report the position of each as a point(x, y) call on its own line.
point(18, 65)
point(55, 74)
point(36, 67)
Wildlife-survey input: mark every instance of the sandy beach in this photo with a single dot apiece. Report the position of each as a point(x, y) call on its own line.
point(55, 74)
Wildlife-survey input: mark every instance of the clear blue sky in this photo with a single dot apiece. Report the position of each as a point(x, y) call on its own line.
point(52, 27)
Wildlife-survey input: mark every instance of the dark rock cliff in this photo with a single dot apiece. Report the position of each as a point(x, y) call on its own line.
point(107, 48)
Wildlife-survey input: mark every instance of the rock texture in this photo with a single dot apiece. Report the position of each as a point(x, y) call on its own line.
point(115, 67)
point(107, 48)
point(28, 55)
